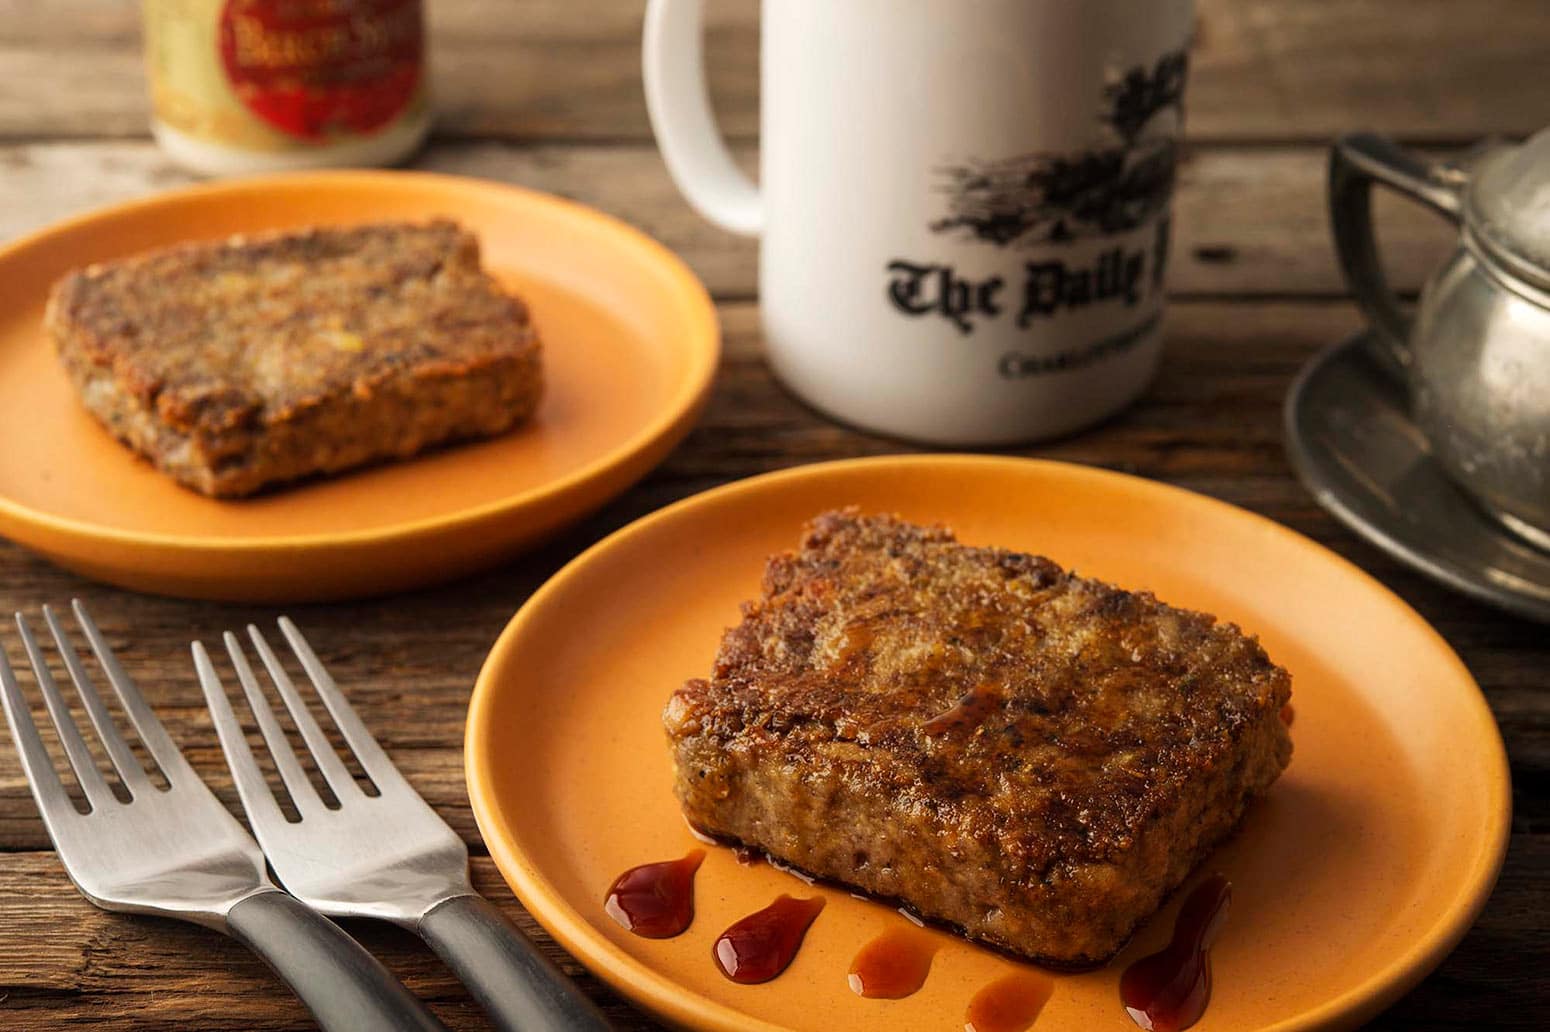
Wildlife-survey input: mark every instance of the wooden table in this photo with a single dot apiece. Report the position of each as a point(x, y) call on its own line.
point(546, 93)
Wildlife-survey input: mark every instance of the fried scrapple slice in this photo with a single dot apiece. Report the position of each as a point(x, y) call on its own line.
point(1032, 756)
point(257, 360)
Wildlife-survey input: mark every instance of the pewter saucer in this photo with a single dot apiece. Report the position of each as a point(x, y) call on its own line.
point(1349, 435)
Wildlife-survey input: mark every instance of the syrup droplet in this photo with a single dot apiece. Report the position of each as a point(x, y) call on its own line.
point(747, 856)
point(1288, 714)
point(656, 901)
point(966, 714)
point(764, 943)
point(1010, 1003)
point(1168, 991)
point(893, 965)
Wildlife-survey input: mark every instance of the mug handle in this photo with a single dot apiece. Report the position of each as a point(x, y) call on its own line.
point(673, 63)
point(1356, 162)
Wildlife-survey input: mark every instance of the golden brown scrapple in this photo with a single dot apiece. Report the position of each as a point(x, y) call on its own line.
point(256, 360)
point(1032, 756)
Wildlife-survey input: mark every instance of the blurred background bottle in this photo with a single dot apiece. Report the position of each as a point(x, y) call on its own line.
point(243, 86)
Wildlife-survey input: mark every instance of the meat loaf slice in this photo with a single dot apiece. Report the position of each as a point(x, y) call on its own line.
point(1032, 756)
point(257, 360)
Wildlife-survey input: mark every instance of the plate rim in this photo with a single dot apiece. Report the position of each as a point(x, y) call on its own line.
point(667, 998)
point(703, 345)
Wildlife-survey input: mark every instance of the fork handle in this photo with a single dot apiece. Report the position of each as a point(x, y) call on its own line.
point(341, 984)
point(518, 987)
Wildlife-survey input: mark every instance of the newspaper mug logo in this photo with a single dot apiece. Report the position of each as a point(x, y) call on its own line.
point(1062, 204)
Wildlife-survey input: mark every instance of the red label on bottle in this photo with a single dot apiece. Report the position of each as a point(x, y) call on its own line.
point(321, 69)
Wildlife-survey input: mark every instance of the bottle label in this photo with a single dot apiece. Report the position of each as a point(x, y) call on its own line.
point(272, 75)
point(317, 69)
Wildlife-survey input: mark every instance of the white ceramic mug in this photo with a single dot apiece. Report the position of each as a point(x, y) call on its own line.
point(964, 204)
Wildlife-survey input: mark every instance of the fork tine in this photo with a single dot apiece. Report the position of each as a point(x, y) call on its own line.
point(372, 759)
point(53, 801)
point(167, 755)
point(303, 795)
point(257, 799)
point(124, 761)
point(86, 772)
point(339, 778)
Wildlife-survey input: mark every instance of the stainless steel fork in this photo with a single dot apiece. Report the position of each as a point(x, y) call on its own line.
point(175, 851)
point(387, 856)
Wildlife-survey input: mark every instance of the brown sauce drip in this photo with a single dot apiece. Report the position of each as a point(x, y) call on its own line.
point(893, 965)
point(747, 856)
point(1168, 991)
point(1288, 714)
point(1010, 1003)
point(656, 901)
point(764, 943)
point(966, 714)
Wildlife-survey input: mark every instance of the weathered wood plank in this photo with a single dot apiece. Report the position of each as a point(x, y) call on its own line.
point(1211, 423)
point(66, 962)
point(1434, 69)
point(559, 82)
point(1249, 221)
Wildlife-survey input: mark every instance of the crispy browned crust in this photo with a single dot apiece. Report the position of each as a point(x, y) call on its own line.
point(256, 360)
point(1035, 757)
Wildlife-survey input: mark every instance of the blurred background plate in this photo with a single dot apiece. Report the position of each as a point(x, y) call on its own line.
point(630, 348)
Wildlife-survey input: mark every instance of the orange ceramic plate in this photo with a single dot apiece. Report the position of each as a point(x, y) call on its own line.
point(1353, 878)
point(630, 347)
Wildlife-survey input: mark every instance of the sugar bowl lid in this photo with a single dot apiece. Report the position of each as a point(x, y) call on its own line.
point(1507, 206)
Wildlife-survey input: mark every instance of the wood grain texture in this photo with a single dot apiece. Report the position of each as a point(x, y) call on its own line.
point(69, 963)
point(546, 93)
point(544, 69)
point(1211, 423)
point(136, 973)
point(1249, 220)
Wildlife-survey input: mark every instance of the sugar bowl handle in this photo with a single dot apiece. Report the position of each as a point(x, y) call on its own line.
point(1356, 162)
